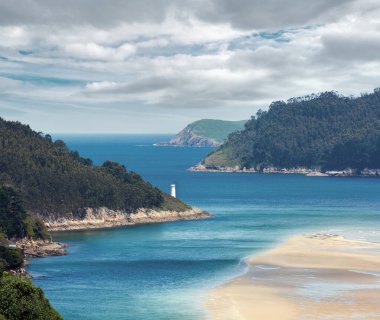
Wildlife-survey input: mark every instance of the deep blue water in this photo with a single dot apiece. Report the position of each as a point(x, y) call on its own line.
point(163, 271)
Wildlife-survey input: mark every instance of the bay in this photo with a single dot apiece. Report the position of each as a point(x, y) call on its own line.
point(163, 271)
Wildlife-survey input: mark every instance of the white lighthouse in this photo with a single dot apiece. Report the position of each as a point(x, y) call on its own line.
point(172, 192)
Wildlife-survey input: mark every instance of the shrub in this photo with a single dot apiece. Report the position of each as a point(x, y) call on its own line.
point(11, 258)
point(21, 300)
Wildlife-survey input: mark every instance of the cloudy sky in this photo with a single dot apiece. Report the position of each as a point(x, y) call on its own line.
point(155, 65)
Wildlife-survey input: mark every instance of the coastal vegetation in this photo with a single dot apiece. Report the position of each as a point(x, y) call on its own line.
point(10, 258)
point(325, 132)
point(21, 300)
point(15, 223)
point(54, 181)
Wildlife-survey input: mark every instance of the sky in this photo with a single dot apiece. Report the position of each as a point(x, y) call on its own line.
point(153, 66)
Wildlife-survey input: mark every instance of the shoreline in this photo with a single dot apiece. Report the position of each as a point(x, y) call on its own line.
point(300, 170)
point(321, 276)
point(103, 218)
point(36, 249)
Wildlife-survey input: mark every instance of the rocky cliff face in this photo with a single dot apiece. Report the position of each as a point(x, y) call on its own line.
point(190, 139)
point(105, 218)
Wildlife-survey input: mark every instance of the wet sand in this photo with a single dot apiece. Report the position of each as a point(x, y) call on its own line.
point(310, 278)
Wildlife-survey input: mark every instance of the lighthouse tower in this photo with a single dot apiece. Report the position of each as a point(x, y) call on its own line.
point(173, 193)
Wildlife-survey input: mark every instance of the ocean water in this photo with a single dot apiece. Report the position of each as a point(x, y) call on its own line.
point(163, 271)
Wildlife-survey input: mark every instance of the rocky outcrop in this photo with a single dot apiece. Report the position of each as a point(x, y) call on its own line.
point(237, 169)
point(21, 273)
point(106, 218)
point(36, 249)
point(187, 138)
point(355, 173)
point(41, 248)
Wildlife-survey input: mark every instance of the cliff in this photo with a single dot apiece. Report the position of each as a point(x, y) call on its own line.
point(105, 218)
point(205, 133)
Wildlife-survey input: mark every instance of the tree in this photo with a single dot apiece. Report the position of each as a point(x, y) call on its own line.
point(21, 300)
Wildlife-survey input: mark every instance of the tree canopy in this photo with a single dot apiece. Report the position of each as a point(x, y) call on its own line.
point(54, 181)
point(21, 300)
point(325, 131)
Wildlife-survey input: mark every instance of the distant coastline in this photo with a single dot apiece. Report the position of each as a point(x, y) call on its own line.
point(306, 171)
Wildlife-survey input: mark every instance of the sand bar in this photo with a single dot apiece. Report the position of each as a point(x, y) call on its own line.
point(312, 277)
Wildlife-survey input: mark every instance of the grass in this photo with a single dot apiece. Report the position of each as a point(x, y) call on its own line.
point(215, 129)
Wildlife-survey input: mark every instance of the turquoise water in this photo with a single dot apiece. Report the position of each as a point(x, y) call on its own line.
point(163, 271)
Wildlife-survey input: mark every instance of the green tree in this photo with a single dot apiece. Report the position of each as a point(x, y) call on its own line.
point(324, 131)
point(12, 213)
point(21, 300)
point(56, 182)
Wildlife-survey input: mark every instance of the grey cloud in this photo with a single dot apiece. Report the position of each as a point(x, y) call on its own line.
point(350, 47)
point(258, 14)
point(80, 12)
point(242, 14)
point(139, 86)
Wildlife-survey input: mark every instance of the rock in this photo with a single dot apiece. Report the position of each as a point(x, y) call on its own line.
point(21, 273)
point(101, 218)
point(202, 168)
point(41, 248)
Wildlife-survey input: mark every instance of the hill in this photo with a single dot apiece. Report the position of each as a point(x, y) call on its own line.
point(205, 133)
point(322, 132)
point(56, 183)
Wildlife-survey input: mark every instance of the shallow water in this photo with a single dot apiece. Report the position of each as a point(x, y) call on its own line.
point(163, 271)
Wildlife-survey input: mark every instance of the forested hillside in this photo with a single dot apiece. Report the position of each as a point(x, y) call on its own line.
point(325, 131)
point(54, 181)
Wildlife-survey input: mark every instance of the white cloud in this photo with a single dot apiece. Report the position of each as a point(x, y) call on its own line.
point(99, 86)
point(97, 52)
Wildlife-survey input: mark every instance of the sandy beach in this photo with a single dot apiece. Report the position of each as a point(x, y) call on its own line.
point(312, 277)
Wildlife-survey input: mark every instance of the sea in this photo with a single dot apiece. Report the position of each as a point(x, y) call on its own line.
point(165, 271)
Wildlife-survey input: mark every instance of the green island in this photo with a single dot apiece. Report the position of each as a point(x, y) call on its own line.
point(205, 133)
point(319, 132)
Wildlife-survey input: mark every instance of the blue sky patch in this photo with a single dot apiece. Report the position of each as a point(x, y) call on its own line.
point(44, 81)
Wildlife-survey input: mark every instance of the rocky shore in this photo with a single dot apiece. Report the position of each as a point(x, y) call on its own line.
point(36, 249)
point(202, 168)
point(105, 218)
point(306, 171)
point(41, 248)
point(95, 219)
point(21, 272)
